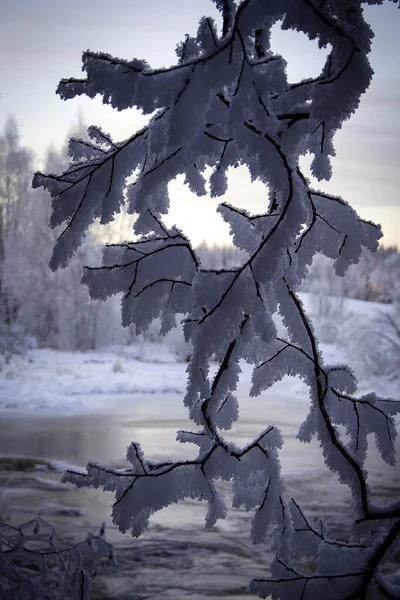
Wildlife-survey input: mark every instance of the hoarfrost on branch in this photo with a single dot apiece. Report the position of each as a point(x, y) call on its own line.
point(227, 102)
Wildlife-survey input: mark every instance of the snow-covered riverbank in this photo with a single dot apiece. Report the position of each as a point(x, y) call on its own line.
point(50, 381)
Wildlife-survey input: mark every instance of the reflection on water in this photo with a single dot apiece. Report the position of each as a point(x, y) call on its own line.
point(77, 440)
point(104, 438)
point(161, 559)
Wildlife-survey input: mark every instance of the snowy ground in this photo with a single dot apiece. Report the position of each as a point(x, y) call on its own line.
point(48, 381)
point(142, 385)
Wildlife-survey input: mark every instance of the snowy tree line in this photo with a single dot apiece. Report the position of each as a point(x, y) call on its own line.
point(53, 309)
point(376, 277)
point(37, 305)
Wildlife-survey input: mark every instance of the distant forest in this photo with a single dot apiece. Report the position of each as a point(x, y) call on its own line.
point(53, 309)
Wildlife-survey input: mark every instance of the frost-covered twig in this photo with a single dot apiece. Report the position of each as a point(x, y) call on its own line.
point(227, 102)
point(34, 567)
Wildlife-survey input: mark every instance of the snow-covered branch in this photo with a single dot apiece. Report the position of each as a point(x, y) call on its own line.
point(33, 566)
point(227, 102)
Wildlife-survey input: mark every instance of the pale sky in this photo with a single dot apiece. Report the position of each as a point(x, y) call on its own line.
point(41, 41)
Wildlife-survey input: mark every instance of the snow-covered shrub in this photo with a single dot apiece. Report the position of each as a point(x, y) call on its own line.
point(379, 342)
point(34, 566)
point(174, 339)
point(227, 101)
point(374, 277)
point(327, 298)
point(118, 366)
point(181, 347)
point(13, 342)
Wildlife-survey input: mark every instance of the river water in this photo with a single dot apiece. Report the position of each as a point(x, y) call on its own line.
point(176, 557)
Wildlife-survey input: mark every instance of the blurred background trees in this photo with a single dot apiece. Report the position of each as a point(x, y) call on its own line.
point(53, 309)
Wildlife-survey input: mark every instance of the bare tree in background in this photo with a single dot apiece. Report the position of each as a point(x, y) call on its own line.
point(35, 303)
point(15, 175)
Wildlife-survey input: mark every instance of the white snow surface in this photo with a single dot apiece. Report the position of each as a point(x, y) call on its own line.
point(71, 382)
point(50, 381)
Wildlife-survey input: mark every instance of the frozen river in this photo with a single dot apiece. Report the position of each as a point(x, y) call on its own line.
point(176, 556)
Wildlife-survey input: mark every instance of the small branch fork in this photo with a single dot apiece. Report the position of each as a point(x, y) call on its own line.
point(168, 241)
